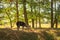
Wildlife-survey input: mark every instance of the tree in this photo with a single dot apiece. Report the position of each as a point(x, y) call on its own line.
point(32, 14)
point(17, 10)
point(56, 18)
point(39, 16)
point(25, 13)
point(52, 14)
point(8, 13)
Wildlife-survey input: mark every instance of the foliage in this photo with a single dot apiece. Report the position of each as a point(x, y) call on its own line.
point(43, 5)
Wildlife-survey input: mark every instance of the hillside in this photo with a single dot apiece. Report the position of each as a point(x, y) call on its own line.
point(8, 34)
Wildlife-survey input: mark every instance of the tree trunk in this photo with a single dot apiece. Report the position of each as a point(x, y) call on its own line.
point(56, 16)
point(39, 22)
point(36, 21)
point(10, 23)
point(25, 13)
point(17, 13)
point(9, 19)
point(52, 14)
point(56, 21)
point(39, 16)
point(32, 23)
point(32, 16)
point(36, 16)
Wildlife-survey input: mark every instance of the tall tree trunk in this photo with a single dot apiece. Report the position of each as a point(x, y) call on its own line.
point(32, 16)
point(17, 12)
point(52, 14)
point(9, 19)
point(56, 24)
point(56, 16)
point(39, 16)
point(32, 23)
point(36, 16)
point(56, 21)
point(10, 23)
point(39, 22)
point(36, 21)
point(25, 13)
point(8, 14)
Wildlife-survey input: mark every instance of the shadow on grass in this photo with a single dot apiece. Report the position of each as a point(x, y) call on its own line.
point(8, 34)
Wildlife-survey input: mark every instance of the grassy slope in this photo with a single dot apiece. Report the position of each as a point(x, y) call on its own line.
point(8, 34)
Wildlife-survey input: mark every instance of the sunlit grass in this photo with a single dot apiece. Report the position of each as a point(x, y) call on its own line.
point(42, 26)
point(58, 38)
